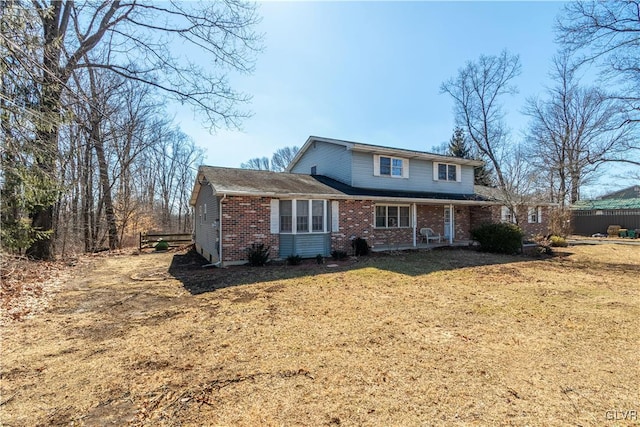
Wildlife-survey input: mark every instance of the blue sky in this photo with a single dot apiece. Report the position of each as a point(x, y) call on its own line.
point(371, 72)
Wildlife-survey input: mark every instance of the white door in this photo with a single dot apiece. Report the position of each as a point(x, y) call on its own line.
point(448, 222)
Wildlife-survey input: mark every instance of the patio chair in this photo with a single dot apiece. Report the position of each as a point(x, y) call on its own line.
point(428, 234)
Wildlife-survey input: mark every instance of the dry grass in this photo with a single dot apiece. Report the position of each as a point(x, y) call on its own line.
point(424, 338)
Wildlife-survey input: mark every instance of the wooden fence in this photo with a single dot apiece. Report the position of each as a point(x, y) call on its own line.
point(149, 240)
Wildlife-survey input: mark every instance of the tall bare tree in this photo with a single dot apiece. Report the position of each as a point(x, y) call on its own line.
point(607, 33)
point(278, 162)
point(477, 92)
point(574, 130)
point(139, 38)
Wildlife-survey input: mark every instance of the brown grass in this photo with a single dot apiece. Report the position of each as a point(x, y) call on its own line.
point(422, 338)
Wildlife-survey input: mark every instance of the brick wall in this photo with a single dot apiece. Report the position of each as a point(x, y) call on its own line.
point(355, 220)
point(245, 221)
point(483, 214)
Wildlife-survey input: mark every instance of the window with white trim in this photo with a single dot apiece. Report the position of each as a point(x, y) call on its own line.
point(392, 216)
point(508, 215)
point(534, 215)
point(446, 172)
point(303, 216)
point(394, 167)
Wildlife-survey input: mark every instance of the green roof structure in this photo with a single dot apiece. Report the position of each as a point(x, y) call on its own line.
point(606, 204)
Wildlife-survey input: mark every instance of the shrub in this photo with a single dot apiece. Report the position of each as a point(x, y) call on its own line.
point(503, 238)
point(162, 245)
point(559, 242)
point(319, 259)
point(258, 255)
point(360, 246)
point(294, 259)
point(338, 255)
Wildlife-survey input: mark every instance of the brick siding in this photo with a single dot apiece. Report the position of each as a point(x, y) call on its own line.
point(245, 221)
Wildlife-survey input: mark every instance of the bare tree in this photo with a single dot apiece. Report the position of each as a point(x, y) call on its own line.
point(476, 92)
point(282, 157)
point(574, 130)
point(278, 163)
point(608, 33)
point(138, 38)
point(258, 163)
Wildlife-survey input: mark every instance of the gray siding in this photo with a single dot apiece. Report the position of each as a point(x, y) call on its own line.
point(420, 177)
point(331, 160)
point(307, 245)
point(206, 229)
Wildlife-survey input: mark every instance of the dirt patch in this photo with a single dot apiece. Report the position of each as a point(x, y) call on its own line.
point(417, 338)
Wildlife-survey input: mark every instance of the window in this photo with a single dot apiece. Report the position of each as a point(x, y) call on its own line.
point(314, 170)
point(446, 172)
point(392, 216)
point(508, 215)
point(303, 216)
point(534, 215)
point(390, 166)
point(204, 216)
point(286, 213)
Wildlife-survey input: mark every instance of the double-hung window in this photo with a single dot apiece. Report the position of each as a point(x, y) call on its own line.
point(303, 216)
point(392, 216)
point(394, 167)
point(446, 172)
point(534, 215)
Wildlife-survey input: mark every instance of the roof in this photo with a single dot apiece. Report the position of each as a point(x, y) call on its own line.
point(626, 193)
point(606, 204)
point(250, 182)
point(370, 192)
point(380, 149)
point(238, 182)
point(497, 195)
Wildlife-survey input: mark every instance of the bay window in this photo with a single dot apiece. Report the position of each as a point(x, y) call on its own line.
point(303, 216)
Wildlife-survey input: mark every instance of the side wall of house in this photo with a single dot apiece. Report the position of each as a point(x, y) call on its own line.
point(484, 214)
point(420, 177)
point(330, 160)
point(206, 224)
point(245, 221)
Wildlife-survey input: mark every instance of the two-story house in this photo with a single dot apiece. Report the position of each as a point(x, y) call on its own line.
point(332, 192)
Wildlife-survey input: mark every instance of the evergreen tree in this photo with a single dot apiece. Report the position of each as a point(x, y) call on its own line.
point(458, 144)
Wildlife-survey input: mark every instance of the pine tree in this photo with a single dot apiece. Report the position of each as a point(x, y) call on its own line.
point(458, 144)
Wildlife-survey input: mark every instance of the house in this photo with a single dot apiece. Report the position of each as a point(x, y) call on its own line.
point(332, 192)
point(618, 208)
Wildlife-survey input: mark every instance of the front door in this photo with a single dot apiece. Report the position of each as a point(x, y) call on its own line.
point(448, 222)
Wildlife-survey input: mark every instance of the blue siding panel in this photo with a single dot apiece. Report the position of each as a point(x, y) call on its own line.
point(420, 177)
point(331, 160)
point(305, 245)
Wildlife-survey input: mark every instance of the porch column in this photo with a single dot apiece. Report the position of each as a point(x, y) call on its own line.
point(452, 227)
point(415, 223)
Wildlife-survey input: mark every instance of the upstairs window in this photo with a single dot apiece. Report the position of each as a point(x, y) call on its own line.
point(446, 172)
point(394, 167)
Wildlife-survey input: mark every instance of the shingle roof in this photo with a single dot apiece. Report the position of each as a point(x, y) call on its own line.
point(606, 204)
point(234, 181)
point(249, 181)
point(369, 192)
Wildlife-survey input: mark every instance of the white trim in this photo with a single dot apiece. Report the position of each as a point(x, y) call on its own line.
point(436, 175)
point(376, 165)
point(335, 216)
point(387, 205)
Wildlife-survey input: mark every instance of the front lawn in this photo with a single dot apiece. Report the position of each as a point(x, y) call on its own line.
point(417, 338)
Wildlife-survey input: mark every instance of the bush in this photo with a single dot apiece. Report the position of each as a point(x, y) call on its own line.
point(294, 259)
point(502, 238)
point(319, 259)
point(338, 255)
point(360, 246)
point(559, 242)
point(258, 255)
point(162, 245)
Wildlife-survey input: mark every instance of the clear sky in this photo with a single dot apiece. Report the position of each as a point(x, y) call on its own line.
point(371, 72)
